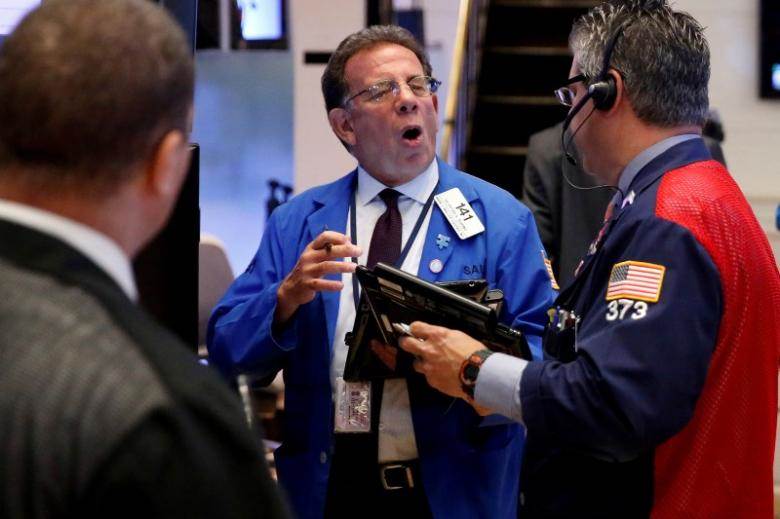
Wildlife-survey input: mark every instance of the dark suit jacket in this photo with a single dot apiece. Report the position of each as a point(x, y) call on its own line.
point(568, 219)
point(104, 413)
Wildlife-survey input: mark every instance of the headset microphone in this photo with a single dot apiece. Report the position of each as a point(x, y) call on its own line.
point(564, 145)
point(567, 122)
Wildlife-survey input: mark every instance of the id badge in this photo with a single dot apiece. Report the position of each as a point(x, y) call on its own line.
point(353, 407)
point(459, 213)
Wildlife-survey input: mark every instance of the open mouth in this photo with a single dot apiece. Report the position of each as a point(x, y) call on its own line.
point(412, 134)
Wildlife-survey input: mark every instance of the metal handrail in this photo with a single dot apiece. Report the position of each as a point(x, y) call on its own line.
point(456, 71)
point(461, 94)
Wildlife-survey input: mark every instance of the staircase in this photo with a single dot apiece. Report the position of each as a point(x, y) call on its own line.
point(525, 56)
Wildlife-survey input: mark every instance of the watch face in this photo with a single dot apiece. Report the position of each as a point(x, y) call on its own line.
point(470, 373)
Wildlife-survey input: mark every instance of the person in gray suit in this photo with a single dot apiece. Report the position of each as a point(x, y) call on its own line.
point(102, 411)
point(569, 218)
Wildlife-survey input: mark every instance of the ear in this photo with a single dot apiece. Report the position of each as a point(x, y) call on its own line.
point(341, 125)
point(620, 91)
point(435, 99)
point(168, 166)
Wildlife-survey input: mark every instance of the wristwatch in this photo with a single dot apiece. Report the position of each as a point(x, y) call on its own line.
point(469, 370)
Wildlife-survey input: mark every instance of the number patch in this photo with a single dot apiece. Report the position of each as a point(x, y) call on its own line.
point(619, 309)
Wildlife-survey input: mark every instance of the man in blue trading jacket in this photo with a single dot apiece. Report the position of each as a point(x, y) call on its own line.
point(658, 393)
point(431, 455)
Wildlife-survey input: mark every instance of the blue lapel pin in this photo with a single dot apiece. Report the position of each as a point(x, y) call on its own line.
point(442, 242)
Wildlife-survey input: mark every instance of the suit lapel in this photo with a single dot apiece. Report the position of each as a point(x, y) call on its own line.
point(331, 214)
point(439, 229)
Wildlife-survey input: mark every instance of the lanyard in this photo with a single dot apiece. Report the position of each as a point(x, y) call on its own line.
point(407, 247)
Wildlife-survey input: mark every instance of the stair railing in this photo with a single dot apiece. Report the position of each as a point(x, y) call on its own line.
point(461, 93)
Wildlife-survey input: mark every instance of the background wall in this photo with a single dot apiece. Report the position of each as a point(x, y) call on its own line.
point(752, 125)
point(315, 25)
point(243, 112)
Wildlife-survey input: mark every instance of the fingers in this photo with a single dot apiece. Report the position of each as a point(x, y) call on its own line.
point(413, 345)
point(332, 237)
point(332, 244)
point(329, 267)
point(427, 331)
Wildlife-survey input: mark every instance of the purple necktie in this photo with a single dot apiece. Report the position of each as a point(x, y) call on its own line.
point(386, 240)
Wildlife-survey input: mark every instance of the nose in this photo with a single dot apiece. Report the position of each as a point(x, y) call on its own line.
point(406, 101)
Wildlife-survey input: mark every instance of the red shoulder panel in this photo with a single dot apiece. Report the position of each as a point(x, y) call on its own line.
point(720, 464)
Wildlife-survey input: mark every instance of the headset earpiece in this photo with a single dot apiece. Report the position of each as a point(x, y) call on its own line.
point(603, 93)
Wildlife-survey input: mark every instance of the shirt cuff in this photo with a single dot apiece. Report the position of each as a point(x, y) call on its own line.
point(498, 385)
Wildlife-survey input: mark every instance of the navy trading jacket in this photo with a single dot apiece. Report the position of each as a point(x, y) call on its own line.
point(665, 404)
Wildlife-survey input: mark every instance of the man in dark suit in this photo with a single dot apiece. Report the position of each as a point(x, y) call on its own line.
point(569, 218)
point(103, 412)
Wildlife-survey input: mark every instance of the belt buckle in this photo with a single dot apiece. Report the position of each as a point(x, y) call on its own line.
point(387, 486)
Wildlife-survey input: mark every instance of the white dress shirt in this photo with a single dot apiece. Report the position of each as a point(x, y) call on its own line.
point(396, 432)
point(98, 247)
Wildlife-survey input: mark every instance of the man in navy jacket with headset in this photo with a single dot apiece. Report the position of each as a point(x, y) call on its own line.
point(430, 454)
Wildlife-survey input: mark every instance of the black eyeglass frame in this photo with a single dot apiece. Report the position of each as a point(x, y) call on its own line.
point(564, 94)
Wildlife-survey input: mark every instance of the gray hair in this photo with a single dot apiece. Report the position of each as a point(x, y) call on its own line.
point(334, 84)
point(661, 54)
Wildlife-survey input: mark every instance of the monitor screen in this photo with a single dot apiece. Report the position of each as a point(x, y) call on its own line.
point(11, 13)
point(770, 49)
point(262, 24)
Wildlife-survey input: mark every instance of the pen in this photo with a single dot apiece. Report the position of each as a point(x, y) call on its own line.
point(403, 329)
point(328, 245)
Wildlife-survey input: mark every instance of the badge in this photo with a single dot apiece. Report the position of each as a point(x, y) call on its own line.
point(459, 213)
point(353, 407)
point(548, 264)
point(442, 242)
point(436, 265)
point(629, 199)
point(636, 280)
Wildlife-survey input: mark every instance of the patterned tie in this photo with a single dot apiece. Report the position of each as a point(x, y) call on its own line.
point(596, 243)
point(386, 240)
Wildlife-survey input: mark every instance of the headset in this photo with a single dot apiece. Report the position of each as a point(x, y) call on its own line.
point(603, 92)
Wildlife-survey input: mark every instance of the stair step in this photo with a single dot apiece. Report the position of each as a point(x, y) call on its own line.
point(505, 171)
point(530, 50)
point(523, 74)
point(532, 24)
point(520, 100)
point(500, 150)
point(553, 4)
point(511, 125)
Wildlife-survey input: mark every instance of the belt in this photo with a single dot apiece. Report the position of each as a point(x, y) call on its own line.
point(398, 475)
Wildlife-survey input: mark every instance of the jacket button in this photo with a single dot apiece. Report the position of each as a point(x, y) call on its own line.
point(323, 457)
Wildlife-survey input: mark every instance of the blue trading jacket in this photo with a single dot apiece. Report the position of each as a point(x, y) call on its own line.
point(469, 465)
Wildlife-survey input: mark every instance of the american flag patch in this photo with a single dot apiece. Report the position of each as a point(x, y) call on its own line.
point(636, 280)
point(548, 264)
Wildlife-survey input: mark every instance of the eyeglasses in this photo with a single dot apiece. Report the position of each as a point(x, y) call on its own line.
point(564, 94)
point(421, 86)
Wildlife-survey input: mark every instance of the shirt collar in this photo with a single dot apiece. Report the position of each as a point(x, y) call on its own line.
point(418, 189)
point(643, 159)
point(98, 247)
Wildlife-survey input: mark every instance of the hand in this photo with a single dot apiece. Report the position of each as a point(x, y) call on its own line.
point(324, 255)
point(439, 353)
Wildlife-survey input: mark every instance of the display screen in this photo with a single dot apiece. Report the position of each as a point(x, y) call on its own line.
point(770, 49)
point(11, 13)
point(262, 24)
point(261, 19)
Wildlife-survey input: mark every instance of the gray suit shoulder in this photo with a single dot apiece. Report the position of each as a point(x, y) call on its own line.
point(72, 383)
